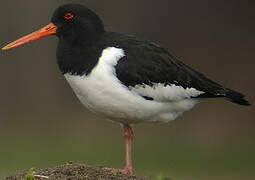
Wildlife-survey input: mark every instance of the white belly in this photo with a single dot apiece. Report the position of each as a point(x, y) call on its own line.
point(102, 93)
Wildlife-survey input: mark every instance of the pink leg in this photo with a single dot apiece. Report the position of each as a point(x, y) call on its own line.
point(128, 135)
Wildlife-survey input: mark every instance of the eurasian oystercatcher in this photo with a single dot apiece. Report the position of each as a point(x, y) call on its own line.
point(122, 78)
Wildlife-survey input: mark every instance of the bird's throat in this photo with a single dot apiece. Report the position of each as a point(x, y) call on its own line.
point(77, 58)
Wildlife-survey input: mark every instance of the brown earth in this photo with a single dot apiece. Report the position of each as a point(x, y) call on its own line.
point(73, 171)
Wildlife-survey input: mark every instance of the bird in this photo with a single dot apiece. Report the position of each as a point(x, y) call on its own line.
point(122, 78)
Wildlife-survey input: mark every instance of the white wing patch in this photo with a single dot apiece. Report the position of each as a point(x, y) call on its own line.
point(161, 92)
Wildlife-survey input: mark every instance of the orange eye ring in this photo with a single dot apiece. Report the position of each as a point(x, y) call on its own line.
point(68, 16)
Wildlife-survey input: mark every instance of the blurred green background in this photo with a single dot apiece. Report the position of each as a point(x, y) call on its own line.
point(43, 124)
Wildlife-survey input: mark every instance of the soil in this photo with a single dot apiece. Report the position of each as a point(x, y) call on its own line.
point(73, 171)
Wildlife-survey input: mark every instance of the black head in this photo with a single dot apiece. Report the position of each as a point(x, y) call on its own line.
point(78, 29)
point(76, 22)
point(73, 23)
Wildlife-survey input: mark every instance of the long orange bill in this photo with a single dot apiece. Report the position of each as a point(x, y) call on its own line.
point(46, 30)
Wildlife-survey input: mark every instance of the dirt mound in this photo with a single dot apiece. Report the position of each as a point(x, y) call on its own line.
point(72, 171)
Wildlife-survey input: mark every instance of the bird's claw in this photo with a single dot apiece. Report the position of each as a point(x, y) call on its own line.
point(126, 170)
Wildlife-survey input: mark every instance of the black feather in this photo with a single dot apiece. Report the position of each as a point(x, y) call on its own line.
point(236, 97)
point(144, 63)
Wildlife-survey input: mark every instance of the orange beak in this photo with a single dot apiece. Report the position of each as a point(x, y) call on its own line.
point(45, 31)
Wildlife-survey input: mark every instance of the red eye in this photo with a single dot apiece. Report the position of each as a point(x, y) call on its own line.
point(68, 16)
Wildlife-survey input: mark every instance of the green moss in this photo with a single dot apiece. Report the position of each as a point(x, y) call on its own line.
point(30, 175)
point(162, 177)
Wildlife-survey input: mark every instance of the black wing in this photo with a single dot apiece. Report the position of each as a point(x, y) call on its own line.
point(147, 63)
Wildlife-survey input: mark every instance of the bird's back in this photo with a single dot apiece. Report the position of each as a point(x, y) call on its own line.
point(146, 63)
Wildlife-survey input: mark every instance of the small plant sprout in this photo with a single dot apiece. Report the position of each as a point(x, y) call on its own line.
point(32, 176)
point(162, 177)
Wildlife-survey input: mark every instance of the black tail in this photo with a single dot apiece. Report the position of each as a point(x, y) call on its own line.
point(236, 97)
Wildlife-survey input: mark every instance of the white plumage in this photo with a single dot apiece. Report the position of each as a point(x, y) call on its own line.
point(103, 93)
point(165, 93)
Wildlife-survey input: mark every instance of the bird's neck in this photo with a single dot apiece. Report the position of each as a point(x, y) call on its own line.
point(76, 57)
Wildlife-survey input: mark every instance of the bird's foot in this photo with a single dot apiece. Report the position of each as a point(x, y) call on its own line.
point(126, 170)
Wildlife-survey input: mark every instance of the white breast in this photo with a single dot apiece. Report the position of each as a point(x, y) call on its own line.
point(103, 93)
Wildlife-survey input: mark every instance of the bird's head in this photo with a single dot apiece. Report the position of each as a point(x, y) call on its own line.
point(72, 22)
